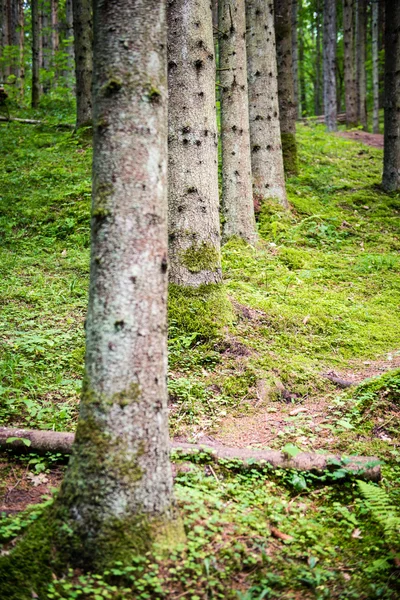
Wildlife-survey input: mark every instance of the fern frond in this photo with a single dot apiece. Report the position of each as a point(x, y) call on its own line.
point(382, 510)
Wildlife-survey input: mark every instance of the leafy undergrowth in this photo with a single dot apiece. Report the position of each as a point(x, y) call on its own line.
point(321, 292)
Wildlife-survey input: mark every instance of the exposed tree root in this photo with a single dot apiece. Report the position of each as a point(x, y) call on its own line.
point(365, 467)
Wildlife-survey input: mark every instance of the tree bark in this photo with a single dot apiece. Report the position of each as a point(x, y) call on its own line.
point(237, 194)
point(194, 229)
point(55, 38)
point(301, 65)
point(361, 58)
point(83, 34)
point(52, 441)
point(350, 89)
point(5, 34)
point(287, 107)
point(265, 133)
point(69, 41)
point(35, 17)
point(381, 49)
point(295, 56)
point(375, 67)
point(117, 492)
point(391, 152)
point(317, 79)
point(329, 49)
point(46, 44)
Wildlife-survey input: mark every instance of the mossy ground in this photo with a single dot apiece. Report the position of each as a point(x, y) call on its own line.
point(320, 292)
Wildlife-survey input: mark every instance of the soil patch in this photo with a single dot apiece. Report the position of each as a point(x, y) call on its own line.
point(370, 139)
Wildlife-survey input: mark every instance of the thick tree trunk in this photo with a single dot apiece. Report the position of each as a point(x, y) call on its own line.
point(318, 78)
point(287, 107)
point(237, 193)
point(265, 135)
point(329, 47)
point(295, 56)
point(82, 12)
point(194, 229)
point(117, 492)
point(350, 89)
point(35, 17)
point(361, 57)
point(391, 154)
point(375, 67)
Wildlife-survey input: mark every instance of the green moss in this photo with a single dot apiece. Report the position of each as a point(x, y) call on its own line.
point(289, 151)
point(101, 196)
point(113, 85)
point(204, 310)
point(153, 93)
point(201, 257)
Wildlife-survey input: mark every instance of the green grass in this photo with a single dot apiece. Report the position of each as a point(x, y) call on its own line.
point(321, 289)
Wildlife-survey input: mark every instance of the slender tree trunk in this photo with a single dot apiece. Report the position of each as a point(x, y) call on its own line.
point(287, 107)
point(329, 65)
point(82, 12)
point(46, 44)
point(35, 17)
point(117, 493)
point(21, 43)
point(55, 38)
point(361, 58)
point(5, 34)
point(69, 35)
point(318, 78)
point(194, 229)
point(375, 67)
point(237, 194)
point(349, 81)
point(391, 154)
point(381, 49)
point(301, 66)
point(265, 134)
point(295, 56)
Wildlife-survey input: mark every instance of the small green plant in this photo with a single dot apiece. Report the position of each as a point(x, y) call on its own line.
point(382, 509)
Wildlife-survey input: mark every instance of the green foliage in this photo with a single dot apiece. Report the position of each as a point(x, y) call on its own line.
point(383, 510)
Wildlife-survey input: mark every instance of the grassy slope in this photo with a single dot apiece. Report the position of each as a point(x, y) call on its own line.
point(322, 288)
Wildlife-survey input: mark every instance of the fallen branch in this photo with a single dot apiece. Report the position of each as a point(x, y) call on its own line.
point(36, 122)
point(320, 119)
point(366, 467)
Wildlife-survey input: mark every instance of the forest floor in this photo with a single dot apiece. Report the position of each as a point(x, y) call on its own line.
point(319, 295)
point(371, 139)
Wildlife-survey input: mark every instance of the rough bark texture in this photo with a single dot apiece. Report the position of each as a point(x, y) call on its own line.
point(46, 43)
point(265, 135)
point(5, 32)
point(350, 89)
point(237, 193)
point(83, 34)
point(375, 67)
point(44, 441)
point(69, 35)
point(301, 65)
point(287, 106)
point(381, 47)
point(55, 38)
point(361, 57)
point(329, 48)
point(295, 56)
point(119, 480)
point(194, 229)
point(35, 16)
point(391, 153)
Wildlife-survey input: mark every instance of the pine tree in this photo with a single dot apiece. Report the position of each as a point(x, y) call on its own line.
point(349, 78)
point(361, 57)
point(265, 135)
point(35, 18)
point(83, 34)
point(194, 228)
point(375, 66)
point(329, 50)
point(237, 194)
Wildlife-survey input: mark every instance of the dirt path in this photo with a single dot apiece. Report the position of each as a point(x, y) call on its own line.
point(313, 423)
point(370, 139)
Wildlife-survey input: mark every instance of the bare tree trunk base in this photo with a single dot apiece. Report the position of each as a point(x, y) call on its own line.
point(365, 467)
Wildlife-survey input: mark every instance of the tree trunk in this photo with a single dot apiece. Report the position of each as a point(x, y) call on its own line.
point(69, 35)
point(391, 153)
point(287, 107)
point(117, 493)
point(329, 47)
point(381, 48)
point(350, 89)
point(361, 57)
point(55, 38)
point(265, 134)
point(375, 67)
point(82, 13)
point(46, 45)
point(237, 194)
point(194, 229)
point(295, 56)
point(317, 84)
point(301, 66)
point(35, 16)
point(5, 34)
